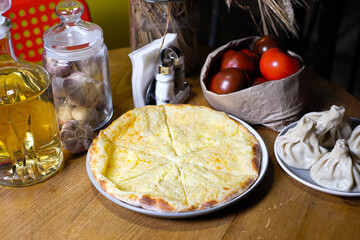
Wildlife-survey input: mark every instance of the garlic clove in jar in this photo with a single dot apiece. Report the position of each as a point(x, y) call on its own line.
point(57, 87)
point(64, 113)
point(57, 68)
point(80, 89)
point(90, 66)
point(86, 114)
point(76, 136)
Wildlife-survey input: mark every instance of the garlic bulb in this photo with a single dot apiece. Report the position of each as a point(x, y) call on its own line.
point(76, 136)
point(80, 89)
point(90, 66)
point(64, 113)
point(57, 68)
point(85, 114)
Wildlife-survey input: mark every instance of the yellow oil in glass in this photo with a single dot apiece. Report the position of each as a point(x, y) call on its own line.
point(30, 147)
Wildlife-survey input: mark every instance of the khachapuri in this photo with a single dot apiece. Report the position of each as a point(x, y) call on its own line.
point(175, 158)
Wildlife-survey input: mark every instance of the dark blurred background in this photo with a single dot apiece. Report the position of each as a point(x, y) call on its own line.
point(328, 32)
point(328, 38)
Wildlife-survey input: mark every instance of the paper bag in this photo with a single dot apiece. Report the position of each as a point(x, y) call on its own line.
point(274, 104)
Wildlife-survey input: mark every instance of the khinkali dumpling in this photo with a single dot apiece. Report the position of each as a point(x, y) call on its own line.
point(299, 147)
point(331, 125)
point(338, 169)
point(354, 141)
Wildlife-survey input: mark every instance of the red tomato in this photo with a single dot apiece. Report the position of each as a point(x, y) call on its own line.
point(276, 64)
point(238, 60)
point(229, 80)
point(251, 54)
point(227, 53)
point(258, 80)
point(265, 43)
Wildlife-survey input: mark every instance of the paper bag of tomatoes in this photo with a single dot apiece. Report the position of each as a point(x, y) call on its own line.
point(256, 80)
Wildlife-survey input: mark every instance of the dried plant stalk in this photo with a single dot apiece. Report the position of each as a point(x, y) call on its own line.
point(275, 13)
point(148, 22)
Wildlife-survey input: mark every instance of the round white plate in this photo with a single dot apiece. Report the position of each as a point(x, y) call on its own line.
point(263, 166)
point(302, 175)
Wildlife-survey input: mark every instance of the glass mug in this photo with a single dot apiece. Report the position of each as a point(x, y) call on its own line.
point(30, 147)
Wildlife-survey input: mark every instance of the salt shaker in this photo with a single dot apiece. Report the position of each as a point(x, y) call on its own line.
point(165, 85)
point(77, 59)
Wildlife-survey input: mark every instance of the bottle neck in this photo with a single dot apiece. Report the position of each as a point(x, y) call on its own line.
point(7, 55)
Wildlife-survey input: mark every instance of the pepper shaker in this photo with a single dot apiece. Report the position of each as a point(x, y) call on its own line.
point(174, 55)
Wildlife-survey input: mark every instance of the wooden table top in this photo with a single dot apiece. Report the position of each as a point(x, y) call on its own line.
point(68, 206)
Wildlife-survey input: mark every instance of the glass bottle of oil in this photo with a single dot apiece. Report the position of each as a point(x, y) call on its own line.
point(30, 147)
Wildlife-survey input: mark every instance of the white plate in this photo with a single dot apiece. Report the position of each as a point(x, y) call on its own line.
point(302, 175)
point(263, 166)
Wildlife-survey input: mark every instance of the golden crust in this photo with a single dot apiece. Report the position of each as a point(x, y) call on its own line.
point(175, 158)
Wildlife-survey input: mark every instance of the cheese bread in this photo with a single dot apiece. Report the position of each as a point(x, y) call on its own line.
point(142, 130)
point(194, 128)
point(175, 158)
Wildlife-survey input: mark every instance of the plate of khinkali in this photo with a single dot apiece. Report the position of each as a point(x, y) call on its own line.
point(322, 151)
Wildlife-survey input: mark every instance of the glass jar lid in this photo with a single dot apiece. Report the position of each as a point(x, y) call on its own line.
point(73, 37)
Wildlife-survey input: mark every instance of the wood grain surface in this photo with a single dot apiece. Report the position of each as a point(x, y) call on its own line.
point(68, 206)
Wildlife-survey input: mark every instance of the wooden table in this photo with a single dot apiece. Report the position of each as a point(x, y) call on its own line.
point(67, 206)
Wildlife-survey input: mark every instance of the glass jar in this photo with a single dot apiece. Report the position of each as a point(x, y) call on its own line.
point(30, 146)
point(77, 59)
point(148, 20)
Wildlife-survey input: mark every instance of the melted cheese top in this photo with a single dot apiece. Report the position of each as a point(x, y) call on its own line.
point(175, 158)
